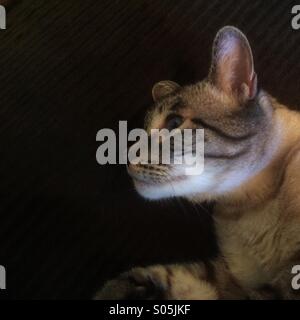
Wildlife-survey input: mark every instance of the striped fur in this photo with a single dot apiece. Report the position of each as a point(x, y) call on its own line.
point(252, 161)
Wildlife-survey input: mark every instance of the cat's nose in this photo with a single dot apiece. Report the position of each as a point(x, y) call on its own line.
point(131, 168)
point(128, 166)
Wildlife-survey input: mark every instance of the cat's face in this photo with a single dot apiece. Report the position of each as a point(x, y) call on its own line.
point(227, 107)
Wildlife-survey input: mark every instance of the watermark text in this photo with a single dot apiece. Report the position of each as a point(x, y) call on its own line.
point(2, 18)
point(296, 18)
point(2, 278)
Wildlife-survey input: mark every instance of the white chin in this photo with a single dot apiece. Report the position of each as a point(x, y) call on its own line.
point(187, 187)
point(154, 192)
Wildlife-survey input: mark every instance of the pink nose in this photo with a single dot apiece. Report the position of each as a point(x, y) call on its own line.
point(132, 168)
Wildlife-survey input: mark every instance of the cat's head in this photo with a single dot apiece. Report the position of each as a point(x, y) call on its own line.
point(228, 106)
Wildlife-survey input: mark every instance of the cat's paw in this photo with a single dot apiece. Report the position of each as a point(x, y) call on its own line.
point(137, 284)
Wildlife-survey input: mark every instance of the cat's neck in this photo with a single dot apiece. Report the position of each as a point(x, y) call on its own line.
point(265, 184)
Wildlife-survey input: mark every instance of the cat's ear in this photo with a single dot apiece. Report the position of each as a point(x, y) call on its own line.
point(232, 69)
point(163, 89)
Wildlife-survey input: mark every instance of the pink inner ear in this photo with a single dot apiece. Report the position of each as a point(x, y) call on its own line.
point(253, 86)
point(234, 66)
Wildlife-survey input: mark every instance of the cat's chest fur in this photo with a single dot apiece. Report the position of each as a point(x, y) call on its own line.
point(256, 244)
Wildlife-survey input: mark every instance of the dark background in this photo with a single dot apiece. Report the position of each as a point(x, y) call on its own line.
point(71, 68)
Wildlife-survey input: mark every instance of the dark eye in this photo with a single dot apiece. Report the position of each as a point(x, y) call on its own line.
point(173, 121)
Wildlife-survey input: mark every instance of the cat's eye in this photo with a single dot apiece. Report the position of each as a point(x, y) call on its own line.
point(173, 121)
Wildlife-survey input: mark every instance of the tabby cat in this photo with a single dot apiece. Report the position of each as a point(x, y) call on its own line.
point(252, 162)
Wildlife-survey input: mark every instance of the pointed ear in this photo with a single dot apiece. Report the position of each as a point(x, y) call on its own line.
point(232, 69)
point(164, 88)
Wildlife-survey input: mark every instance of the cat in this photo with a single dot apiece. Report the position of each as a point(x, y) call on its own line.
point(252, 162)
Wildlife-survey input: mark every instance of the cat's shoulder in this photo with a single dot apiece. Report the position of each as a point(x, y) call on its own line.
point(290, 188)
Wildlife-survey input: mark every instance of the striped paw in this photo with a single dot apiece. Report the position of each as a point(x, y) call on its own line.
point(137, 284)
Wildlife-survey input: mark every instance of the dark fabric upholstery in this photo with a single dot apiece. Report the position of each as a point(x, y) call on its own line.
point(70, 68)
